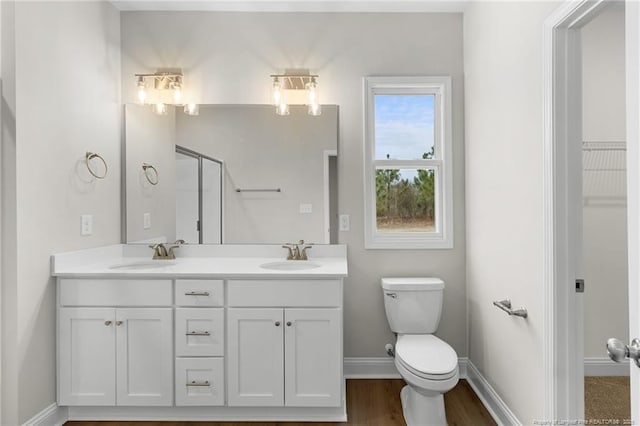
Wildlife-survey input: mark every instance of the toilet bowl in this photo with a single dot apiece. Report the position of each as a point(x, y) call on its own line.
point(428, 364)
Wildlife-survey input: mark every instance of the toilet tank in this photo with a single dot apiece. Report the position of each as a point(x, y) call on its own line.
point(413, 305)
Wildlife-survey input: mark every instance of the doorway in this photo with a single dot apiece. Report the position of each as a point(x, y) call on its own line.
point(563, 208)
point(604, 214)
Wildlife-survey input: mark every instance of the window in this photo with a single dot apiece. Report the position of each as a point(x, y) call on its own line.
point(408, 176)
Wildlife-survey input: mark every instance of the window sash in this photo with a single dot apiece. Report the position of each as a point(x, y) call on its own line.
point(442, 163)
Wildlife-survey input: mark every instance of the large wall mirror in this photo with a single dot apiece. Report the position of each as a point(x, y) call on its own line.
point(232, 174)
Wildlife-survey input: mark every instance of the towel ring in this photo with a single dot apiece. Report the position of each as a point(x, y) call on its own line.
point(152, 177)
point(90, 156)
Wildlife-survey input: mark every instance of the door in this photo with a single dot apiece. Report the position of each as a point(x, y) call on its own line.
point(313, 357)
point(255, 360)
point(86, 356)
point(144, 356)
point(632, 52)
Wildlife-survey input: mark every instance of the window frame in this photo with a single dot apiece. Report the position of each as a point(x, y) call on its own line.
point(442, 162)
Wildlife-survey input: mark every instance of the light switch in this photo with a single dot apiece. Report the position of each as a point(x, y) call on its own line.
point(345, 220)
point(87, 224)
point(146, 221)
point(306, 208)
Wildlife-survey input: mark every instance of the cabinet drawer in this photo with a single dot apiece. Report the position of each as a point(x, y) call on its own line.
point(272, 293)
point(111, 292)
point(199, 293)
point(200, 381)
point(199, 332)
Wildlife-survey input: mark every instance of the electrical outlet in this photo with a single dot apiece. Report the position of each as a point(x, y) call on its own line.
point(345, 220)
point(87, 224)
point(146, 220)
point(306, 208)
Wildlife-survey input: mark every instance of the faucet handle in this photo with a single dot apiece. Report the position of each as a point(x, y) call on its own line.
point(180, 241)
point(290, 253)
point(303, 254)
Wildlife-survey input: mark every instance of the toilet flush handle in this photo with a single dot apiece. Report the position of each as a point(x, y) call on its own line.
point(392, 295)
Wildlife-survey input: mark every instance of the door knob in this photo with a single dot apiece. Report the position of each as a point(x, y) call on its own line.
point(618, 351)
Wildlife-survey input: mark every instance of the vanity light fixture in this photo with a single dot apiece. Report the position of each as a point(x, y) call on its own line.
point(164, 88)
point(295, 87)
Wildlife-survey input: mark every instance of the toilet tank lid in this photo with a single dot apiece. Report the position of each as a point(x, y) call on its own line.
point(412, 283)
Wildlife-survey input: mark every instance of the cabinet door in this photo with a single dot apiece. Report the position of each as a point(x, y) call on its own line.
point(313, 357)
point(255, 357)
point(145, 356)
point(86, 356)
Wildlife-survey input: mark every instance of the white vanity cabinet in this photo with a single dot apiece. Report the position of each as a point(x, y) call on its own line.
point(284, 344)
point(199, 343)
point(114, 355)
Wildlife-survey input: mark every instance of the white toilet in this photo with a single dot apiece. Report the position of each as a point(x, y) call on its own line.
point(428, 365)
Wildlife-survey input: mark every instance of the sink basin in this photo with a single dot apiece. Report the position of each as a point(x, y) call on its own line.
point(290, 265)
point(150, 264)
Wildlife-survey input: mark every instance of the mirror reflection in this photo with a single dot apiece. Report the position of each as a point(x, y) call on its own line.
point(232, 174)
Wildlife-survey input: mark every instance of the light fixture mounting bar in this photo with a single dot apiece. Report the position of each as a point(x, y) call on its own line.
point(294, 81)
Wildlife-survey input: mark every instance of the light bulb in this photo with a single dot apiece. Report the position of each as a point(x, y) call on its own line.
point(160, 109)
point(177, 92)
point(282, 109)
point(312, 92)
point(277, 92)
point(142, 91)
point(314, 109)
point(192, 109)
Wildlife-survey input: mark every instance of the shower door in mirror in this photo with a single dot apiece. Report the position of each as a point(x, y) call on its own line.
point(198, 198)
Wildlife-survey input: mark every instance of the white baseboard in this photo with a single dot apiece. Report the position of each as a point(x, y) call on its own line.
point(490, 398)
point(383, 368)
point(50, 416)
point(605, 367)
point(370, 368)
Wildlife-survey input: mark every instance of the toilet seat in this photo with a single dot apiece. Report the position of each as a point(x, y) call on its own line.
point(426, 356)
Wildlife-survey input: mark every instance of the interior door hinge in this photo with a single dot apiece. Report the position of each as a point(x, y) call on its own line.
point(579, 285)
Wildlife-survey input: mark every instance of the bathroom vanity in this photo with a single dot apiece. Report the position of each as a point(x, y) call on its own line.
point(230, 332)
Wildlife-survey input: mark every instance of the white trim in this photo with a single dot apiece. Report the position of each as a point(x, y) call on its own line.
point(605, 367)
point(498, 409)
point(562, 396)
point(383, 368)
point(50, 416)
point(440, 87)
point(326, 155)
point(370, 368)
point(412, 6)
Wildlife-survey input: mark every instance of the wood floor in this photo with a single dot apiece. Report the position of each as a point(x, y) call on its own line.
point(369, 403)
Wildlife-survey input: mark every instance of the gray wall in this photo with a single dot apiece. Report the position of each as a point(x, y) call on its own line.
point(503, 144)
point(150, 138)
point(605, 211)
point(227, 59)
point(63, 66)
point(261, 149)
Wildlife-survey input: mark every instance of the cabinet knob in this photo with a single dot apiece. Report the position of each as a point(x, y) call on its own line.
point(107, 323)
point(118, 322)
point(277, 323)
point(288, 323)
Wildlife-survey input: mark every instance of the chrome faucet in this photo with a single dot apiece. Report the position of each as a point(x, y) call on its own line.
point(161, 252)
point(295, 253)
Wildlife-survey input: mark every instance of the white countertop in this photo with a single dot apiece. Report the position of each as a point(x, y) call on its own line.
point(221, 262)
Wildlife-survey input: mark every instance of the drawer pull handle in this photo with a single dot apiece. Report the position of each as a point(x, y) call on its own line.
point(194, 383)
point(107, 323)
point(118, 323)
point(197, 293)
point(198, 333)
